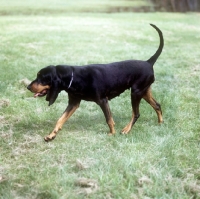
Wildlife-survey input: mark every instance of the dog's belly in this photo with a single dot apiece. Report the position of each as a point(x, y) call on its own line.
point(115, 93)
point(91, 95)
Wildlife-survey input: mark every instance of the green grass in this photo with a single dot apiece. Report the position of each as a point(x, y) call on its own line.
point(31, 7)
point(153, 161)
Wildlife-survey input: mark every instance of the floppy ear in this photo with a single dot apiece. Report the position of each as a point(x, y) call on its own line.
point(52, 93)
point(54, 90)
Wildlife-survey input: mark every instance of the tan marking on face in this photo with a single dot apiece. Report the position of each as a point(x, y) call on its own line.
point(38, 88)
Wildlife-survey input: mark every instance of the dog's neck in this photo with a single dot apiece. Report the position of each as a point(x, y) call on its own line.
point(72, 77)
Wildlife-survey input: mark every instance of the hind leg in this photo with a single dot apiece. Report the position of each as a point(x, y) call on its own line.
point(156, 106)
point(135, 102)
point(103, 103)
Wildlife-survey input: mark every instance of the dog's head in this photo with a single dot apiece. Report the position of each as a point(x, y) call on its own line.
point(46, 83)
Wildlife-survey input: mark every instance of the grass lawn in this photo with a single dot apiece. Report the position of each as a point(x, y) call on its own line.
point(153, 161)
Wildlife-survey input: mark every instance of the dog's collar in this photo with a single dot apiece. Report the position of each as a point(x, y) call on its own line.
point(70, 83)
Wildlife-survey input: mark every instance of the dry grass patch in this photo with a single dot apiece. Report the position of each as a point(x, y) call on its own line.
point(4, 103)
point(88, 186)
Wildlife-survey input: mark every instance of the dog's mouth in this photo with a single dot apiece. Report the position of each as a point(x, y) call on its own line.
point(41, 94)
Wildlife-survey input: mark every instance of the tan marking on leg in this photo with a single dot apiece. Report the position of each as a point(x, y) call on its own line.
point(149, 98)
point(66, 115)
point(107, 113)
point(109, 119)
point(111, 124)
point(128, 127)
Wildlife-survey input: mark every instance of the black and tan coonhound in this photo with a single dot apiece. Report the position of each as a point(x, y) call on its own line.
point(99, 83)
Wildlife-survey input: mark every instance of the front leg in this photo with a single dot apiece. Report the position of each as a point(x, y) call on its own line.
point(66, 115)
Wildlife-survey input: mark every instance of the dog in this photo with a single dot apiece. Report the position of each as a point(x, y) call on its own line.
point(99, 83)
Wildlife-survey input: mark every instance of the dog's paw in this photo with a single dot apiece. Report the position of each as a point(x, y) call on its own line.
point(126, 129)
point(124, 132)
point(49, 138)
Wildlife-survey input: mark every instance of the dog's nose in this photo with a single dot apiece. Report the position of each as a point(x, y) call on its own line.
point(29, 87)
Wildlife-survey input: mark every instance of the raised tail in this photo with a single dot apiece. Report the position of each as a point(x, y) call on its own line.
point(153, 59)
